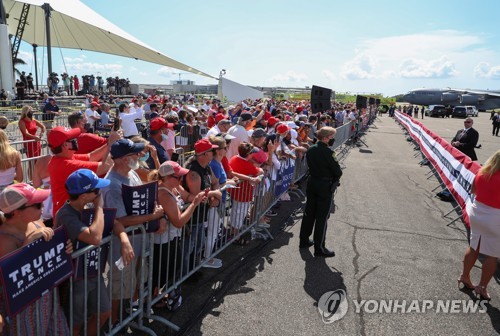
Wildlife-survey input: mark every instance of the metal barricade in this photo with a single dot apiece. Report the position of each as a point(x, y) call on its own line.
point(131, 311)
point(168, 260)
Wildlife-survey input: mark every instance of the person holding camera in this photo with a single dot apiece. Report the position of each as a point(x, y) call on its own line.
point(325, 173)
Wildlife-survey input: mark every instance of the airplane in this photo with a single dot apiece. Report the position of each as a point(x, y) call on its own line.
point(482, 99)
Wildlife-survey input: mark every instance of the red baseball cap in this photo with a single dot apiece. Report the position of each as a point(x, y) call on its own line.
point(219, 117)
point(60, 134)
point(157, 123)
point(203, 145)
point(272, 121)
point(282, 128)
point(172, 168)
point(260, 157)
point(15, 196)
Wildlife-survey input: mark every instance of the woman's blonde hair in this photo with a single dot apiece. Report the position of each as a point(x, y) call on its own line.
point(8, 154)
point(217, 140)
point(25, 110)
point(492, 165)
point(154, 175)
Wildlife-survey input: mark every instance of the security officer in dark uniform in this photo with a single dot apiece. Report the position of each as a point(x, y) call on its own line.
point(325, 173)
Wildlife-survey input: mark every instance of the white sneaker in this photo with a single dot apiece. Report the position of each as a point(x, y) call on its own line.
point(213, 263)
point(285, 197)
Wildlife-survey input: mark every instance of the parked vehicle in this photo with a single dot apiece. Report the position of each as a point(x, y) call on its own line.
point(436, 111)
point(471, 111)
point(459, 112)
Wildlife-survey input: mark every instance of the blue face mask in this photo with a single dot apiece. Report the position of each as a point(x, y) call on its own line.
point(164, 137)
point(145, 157)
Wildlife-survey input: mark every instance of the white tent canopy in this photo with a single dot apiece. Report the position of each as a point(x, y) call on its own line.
point(76, 26)
point(234, 92)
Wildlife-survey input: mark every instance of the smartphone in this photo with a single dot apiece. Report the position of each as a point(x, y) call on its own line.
point(175, 157)
point(116, 124)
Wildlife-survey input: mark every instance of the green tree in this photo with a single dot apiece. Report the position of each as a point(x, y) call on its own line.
point(17, 61)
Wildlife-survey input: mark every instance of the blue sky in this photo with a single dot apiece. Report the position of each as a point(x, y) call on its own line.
point(349, 46)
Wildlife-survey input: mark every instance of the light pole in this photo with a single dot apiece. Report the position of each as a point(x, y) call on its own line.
point(219, 88)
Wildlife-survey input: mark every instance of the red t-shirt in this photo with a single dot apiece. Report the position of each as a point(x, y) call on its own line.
point(245, 191)
point(210, 121)
point(225, 165)
point(59, 169)
point(487, 191)
point(88, 142)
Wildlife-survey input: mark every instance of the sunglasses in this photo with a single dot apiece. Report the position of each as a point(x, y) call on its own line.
point(36, 205)
point(467, 122)
point(95, 191)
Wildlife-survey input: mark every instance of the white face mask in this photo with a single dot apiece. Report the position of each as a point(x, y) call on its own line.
point(133, 164)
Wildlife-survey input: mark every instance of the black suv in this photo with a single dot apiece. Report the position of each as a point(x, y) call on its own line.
point(459, 112)
point(438, 111)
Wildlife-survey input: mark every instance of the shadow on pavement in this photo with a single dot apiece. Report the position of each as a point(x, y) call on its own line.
point(320, 278)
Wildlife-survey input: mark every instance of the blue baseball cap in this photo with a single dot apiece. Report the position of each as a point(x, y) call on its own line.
point(84, 180)
point(124, 147)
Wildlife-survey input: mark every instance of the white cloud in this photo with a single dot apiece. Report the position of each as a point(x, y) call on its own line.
point(485, 70)
point(109, 69)
point(361, 67)
point(73, 60)
point(289, 76)
point(429, 45)
point(165, 71)
point(25, 56)
point(330, 75)
point(427, 55)
point(419, 68)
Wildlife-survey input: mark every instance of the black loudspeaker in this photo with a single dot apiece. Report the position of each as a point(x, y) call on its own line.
point(320, 99)
point(371, 101)
point(377, 101)
point(361, 101)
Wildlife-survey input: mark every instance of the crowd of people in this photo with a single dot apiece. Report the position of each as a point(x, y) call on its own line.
point(70, 85)
point(242, 145)
point(231, 154)
point(88, 84)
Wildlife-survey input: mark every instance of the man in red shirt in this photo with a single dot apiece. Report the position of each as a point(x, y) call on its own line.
point(242, 196)
point(87, 142)
point(63, 143)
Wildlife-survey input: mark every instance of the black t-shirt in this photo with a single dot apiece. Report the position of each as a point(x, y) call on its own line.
point(200, 215)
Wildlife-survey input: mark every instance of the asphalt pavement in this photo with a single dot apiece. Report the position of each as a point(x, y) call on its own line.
point(391, 243)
